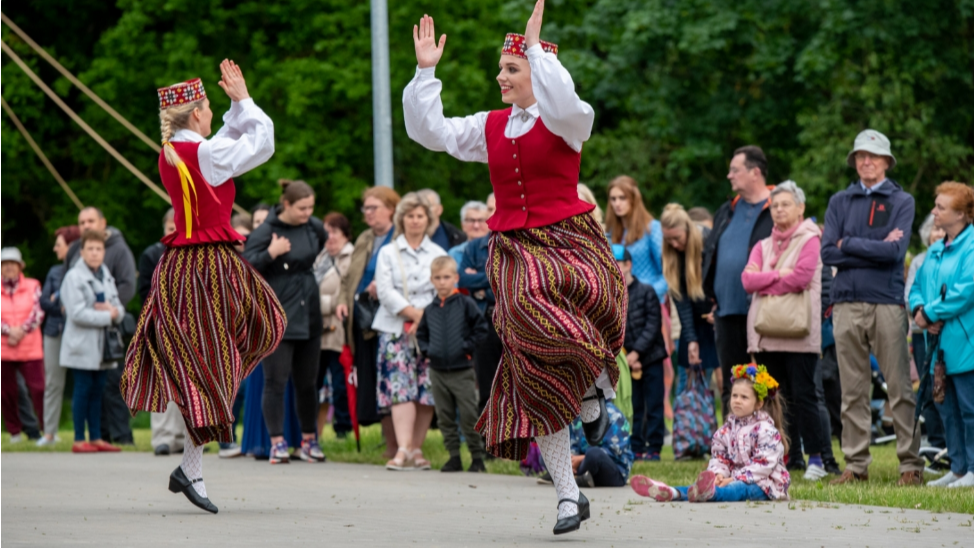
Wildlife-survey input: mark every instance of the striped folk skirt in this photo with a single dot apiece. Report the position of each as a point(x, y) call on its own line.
point(207, 322)
point(561, 315)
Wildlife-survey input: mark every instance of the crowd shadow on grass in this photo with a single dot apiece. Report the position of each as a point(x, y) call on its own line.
point(880, 491)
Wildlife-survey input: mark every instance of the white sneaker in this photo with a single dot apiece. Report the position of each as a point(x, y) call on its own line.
point(44, 442)
point(966, 481)
point(944, 481)
point(815, 472)
point(17, 438)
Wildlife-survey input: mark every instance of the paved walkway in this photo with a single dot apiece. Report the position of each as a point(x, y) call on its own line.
point(121, 500)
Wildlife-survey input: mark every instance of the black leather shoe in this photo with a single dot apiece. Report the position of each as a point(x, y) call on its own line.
point(162, 450)
point(585, 480)
point(595, 430)
point(178, 482)
point(477, 466)
point(452, 465)
point(573, 523)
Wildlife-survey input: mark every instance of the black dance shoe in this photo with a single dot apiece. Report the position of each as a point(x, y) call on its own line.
point(595, 430)
point(573, 523)
point(178, 482)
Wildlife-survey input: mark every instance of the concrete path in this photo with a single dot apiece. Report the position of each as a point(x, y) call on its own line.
point(121, 500)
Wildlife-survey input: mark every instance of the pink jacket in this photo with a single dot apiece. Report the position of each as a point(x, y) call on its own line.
point(750, 450)
point(806, 273)
point(20, 303)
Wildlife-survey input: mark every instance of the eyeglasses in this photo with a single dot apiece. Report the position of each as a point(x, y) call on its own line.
point(370, 209)
point(475, 221)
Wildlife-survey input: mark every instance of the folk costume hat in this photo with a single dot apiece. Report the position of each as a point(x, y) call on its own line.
point(516, 45)
point(179, 94)
point(764, 384)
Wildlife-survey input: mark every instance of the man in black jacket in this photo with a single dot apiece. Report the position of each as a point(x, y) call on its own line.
point(645, 352)
point(445, 234)
point(739, 225)
point(451, 329)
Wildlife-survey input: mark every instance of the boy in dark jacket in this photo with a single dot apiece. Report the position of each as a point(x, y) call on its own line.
point(451, 328)
point(645, 352)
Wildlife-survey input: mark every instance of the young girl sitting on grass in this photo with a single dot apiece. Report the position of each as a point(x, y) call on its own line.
point(748, 450)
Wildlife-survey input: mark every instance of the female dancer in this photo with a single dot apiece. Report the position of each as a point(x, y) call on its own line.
point(561, 299)
point(210, 317)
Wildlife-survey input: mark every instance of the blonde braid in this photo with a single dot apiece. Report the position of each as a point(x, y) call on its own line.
point(171, 120)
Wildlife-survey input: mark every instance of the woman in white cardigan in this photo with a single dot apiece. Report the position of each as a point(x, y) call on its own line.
point(91, 304)
point(402, 277)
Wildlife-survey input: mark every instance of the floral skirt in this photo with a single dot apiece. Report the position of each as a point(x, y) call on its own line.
point(403, 376)
point(561, 316)
point(208, 321)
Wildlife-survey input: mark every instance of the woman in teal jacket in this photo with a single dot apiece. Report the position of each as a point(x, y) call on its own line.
point(942, 301)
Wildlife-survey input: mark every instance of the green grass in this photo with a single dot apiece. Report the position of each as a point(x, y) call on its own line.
point(881, 490)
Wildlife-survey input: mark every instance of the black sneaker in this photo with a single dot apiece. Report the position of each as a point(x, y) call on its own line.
point(832, 467)
point(585, 480)
point(477, 466)
point(162, 450)
point(797, 465)
point(453, 465)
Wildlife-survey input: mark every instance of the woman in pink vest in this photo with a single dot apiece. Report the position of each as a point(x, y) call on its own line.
point(561, 299)
point(790, 262)
point(209, 317)
point(22, 345)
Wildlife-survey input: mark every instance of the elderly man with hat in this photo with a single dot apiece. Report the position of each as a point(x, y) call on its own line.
point(20, 344)
point(867, 229)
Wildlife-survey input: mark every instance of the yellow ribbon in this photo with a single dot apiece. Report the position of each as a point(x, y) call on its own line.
point(188, 186)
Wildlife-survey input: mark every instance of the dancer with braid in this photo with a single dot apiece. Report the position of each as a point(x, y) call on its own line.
point(561, 299)
point(209, 317)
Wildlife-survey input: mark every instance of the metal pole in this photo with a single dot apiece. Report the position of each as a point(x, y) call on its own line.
point(381, 105)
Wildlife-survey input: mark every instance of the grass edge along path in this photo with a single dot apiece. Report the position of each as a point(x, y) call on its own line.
point(880, 490)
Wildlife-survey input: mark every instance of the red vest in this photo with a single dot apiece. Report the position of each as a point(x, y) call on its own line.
point(535, 176)
point(210, 207)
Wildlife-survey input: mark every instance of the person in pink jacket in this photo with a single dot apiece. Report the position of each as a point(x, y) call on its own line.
point(21, 343)
point(748, 451)
point(789, 261)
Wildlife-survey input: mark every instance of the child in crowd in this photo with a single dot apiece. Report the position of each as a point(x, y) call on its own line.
point(645, 352)
point(609, 464)
point(748, 450)
point(451, 328)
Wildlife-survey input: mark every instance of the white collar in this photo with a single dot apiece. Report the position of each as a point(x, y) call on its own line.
point(531, 111)
point(187, 135)
point(874, 188)
point(404, 244)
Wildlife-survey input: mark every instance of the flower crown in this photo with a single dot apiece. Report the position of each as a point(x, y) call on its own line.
point(764, 384)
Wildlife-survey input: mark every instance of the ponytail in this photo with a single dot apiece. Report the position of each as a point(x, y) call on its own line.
point(172, 120)
point(775, 408)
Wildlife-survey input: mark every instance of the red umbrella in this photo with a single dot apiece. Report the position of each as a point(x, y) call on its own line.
point(351, 387)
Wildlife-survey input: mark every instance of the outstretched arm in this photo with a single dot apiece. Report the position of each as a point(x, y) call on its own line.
point(563, 112)
point(462, 138)
point(246, 139)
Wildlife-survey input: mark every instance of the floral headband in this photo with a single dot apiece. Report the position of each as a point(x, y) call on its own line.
point(764, 384)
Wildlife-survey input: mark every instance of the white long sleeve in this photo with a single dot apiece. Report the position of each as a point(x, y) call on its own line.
point(563, 112)
point(245, 141)
point(463, 138)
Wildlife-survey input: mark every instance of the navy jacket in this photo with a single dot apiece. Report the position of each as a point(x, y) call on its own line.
point(644, 324)
point(53, 313)
point(475, 257)
point(870, 270)
point(450, 332)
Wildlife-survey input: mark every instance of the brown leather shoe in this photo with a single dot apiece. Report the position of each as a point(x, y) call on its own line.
point(850, 477)
point(910, 479)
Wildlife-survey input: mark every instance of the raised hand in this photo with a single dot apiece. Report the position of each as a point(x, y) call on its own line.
point(233, 81)
point(424, 38)
point(532, 33)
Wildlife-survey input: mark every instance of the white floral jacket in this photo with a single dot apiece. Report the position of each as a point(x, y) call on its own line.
point(750, 449)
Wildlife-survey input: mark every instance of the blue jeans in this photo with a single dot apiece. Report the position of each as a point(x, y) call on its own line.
point(737, 491)
point(604, 470)
point(957, 412)
point(86, 403)
point(648, 423)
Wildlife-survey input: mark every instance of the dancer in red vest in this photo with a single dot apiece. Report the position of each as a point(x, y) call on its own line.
point(209, 317)
point(561, 299)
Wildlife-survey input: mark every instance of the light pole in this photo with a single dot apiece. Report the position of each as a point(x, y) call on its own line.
point(381, 105)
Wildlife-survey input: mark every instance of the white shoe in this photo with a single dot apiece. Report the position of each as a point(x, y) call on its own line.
point(44, 442)
point(17, 438)
point(966, 481)
point(815, 472)
point(944, 481)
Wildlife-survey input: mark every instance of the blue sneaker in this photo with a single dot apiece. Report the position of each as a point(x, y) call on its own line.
point(279, 454)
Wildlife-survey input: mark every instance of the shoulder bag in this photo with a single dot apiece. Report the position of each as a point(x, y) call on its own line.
point(787, 316)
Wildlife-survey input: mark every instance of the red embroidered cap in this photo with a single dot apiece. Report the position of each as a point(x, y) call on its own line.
point(515, 44)
point(181, 93)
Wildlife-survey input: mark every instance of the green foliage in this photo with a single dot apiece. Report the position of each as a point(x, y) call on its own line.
point(676, 87)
